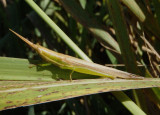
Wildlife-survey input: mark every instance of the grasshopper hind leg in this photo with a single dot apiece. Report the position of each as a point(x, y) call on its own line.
point(70, 76)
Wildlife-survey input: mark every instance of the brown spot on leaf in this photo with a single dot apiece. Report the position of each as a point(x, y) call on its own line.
point(8, 107)
point(55, 92)
point(42, 89)
point(88, 88)
point(25, 103)
point(11, 93)
point(48, 100)
point(9, 102)
point(51, 93)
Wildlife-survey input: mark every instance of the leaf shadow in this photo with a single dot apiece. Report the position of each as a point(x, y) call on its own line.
point(58, 73)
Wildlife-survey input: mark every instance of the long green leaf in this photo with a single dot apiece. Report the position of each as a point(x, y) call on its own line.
point(23, 86)
point(50, 23)
point(23, 69)
point(122, 35)
point(23, 93)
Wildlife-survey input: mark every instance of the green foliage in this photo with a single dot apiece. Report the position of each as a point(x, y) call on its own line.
point(90, 27)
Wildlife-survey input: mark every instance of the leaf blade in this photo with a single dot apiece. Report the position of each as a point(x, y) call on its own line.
point(23, 93)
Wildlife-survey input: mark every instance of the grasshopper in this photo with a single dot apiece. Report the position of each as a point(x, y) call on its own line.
point(68, 62)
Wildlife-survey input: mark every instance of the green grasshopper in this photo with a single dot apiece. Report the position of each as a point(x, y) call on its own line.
point(68, 62)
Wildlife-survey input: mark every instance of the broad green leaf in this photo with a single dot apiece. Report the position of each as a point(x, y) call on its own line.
point(22, 69)
point(23, 93)
point(27, 86)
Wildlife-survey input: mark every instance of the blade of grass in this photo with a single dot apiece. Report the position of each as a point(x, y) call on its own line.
point(31, 70)
point(50, 23)
point(23, 93)
point(134, 7)
point(31, 110)
point(13, 66)
point(91, 24)
point(132, 106)
point(122, 36)
point(156, 4)
point(123, 39)
point(143, 16)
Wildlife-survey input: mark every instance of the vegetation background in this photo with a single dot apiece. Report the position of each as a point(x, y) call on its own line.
point(125, 32)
